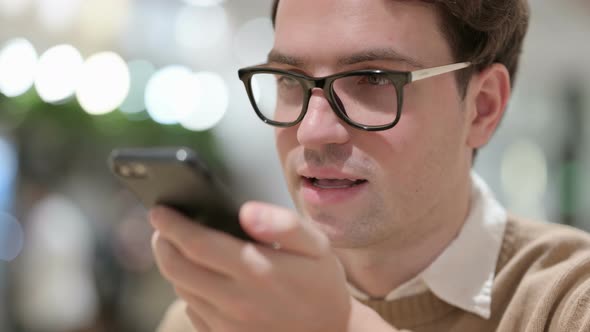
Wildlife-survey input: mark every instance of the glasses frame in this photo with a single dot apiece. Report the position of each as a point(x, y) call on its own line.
point(398, 78)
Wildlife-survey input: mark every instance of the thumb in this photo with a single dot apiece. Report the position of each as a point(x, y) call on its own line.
point(272, 224)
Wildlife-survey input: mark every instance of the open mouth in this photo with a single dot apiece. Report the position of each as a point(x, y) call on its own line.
point(333, 183)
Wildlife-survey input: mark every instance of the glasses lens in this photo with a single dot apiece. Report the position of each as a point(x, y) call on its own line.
point(278, 97)
point(367, 99)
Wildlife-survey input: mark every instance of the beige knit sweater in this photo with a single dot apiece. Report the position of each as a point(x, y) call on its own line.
point(542, 284)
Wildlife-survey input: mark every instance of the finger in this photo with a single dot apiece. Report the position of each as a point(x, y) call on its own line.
point(272, 224)
point(244, 261)
point(198, 323)
point(196, 310)
point(216, 250)
point(183, 273)
point(204, 312)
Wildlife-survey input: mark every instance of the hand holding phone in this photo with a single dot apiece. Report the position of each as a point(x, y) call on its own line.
point(176, 177)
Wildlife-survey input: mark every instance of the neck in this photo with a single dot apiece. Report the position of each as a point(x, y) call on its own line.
point(379, 269)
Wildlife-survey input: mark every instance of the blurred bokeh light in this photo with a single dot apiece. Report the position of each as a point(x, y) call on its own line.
point(212, 99)
point(59, 248)
point(18, 61)
point(169, 94)
point(58, 73)
point(104, 83)
point(8, 172)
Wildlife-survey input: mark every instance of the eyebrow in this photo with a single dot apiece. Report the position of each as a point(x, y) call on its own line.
point(378, 54)
point(277, 57)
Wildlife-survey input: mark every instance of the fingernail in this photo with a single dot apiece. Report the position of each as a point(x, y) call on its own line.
point(156, 215)
point(280, 223)
point(259, 223)
point(253, 214)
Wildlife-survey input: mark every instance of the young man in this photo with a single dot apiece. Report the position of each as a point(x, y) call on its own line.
point(380, 106)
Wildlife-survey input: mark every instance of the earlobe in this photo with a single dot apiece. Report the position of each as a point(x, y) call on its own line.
point(490, 93)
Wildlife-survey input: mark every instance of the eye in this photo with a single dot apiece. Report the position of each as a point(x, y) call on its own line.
point(286, 81)
point(374, 79)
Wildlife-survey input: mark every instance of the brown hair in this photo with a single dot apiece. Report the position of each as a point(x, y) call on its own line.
point(481, 31)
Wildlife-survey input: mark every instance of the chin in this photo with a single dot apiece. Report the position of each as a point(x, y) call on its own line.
point(339, 230)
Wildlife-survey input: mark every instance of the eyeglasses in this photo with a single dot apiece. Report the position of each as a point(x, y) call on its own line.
point(365, 99)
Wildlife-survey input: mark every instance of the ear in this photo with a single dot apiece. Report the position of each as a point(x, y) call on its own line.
point(489, 94)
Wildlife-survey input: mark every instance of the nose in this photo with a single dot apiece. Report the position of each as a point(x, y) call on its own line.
point(321, 126)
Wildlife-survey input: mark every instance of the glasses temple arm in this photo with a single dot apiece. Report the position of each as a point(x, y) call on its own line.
point(430, 72)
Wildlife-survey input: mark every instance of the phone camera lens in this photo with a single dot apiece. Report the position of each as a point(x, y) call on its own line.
point(139, 170)
point(134, 170)
point(124, 170)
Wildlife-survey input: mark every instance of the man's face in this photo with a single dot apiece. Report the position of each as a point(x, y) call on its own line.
point(363, 188)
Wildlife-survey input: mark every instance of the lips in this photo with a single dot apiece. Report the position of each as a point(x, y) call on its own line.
point(334, 183)
point(334, 189)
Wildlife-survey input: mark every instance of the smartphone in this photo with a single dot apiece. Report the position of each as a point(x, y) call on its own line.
point(178, 178)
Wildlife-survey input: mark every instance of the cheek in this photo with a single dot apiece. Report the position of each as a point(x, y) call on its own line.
point(428, 141)
point(286, 142)
point(434, 114)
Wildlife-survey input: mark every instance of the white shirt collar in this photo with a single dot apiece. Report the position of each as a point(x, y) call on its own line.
point(463, 274)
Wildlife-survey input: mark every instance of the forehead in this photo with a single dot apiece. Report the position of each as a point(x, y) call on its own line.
point(328, 30)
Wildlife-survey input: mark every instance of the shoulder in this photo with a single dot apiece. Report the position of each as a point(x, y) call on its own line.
point(529, 230)
point(543, 244)
point(175, 319)
point(544, 275)
point(543, 249)
point(572, 313)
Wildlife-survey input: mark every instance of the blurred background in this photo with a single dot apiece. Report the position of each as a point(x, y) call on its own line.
point(81, 77)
